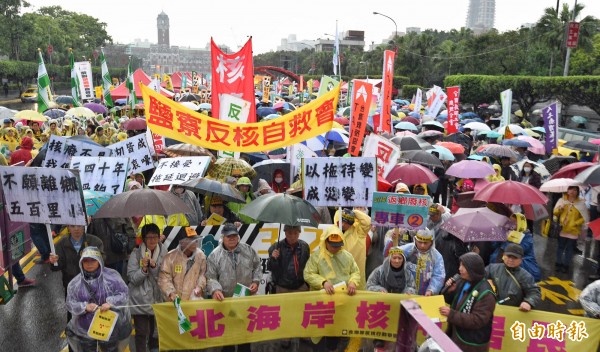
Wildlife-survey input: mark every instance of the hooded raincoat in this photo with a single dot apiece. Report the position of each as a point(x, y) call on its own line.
point(385, 277)
point(324, 266)
point(429, 271)
point(572, 216)
point(175, 277)
point(228, 268)
point(355, 242)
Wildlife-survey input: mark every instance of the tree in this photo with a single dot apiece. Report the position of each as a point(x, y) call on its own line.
point(12, 26)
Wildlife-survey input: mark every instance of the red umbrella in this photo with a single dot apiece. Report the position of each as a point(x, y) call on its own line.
point(383, 185)
point(571, 170)
point(455, 148)
point(342, 120)
point(411, 174)
point(510, 192)
point(137, 123)
point(595, 227)
point(412, 120)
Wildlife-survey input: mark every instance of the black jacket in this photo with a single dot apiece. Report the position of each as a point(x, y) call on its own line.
point(288, 270)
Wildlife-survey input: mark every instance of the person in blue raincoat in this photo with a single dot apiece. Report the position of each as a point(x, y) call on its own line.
point(429, 272)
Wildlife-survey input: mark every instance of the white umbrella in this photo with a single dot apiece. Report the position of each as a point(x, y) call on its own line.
point(190, 105)
point(477, 126)
point(6, 113)
point(515, 129)
point(537, 167)
point(559, 185)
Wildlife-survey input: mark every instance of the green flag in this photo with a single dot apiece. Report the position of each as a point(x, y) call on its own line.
point(74, 80)
point(43, 85)
point(131, 99)
point(106, 81)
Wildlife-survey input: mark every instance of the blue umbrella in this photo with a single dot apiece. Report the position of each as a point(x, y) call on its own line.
point(516, 143)
point(271, 117)
point(337, 135)
point(403, 125)
point(443, 153)
point(414, 114)
point(122, 101)
point(263, 112)
point(442, 117)
point(315, 143)
point(204, 106)
point(54, 113)
point(578, 119)
point(539, 129)
point(433, 124)
point(468, 114)
point(402, 102)
point(477, 119)
point(475, 157)
point(94, 200)
point(490, 134)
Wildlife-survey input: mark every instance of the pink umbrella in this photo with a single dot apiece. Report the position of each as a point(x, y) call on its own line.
point(511, 192)
point(470, 169)
point(595, 141)
point(477, 224)
point(411, 174)
point(536, 146)
point(571, 170)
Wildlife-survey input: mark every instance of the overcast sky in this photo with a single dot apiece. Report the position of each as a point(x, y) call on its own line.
point(229, 22)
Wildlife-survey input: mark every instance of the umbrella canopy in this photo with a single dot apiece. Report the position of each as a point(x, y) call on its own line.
point(477, 126)
point(383, 185)
point(536, 146)
point(265, 170)
point(572, 170)
point(539, 129)
point(205, 106)
point(337, 135)
point(412, 119)
point(94, 200)
point(514, 129)
point(442, 153)
point(498, 151)
point(470, 169)
point(404, 125)
point(411, 174)
point(434, 125)
point(142, 202)
point(455, 148)
point(404, 134)
point(477, 224)
point(583, 146)
point(554, 163)
point(223, 167)
point(213, 187)
point(411, 143)
point(421, 157)
point(430, 133)
point(54, 113)
point(30, 115)
point(516, 143)
point(190, 97)
point(510, 192)
point(579, 119)
point(590, 176)
point(183, 149)
point(265, 111)
point(6, 113)
point(81, 112)
point(490, 134)
point(97, 108)
point(559, 185)
point(315, 143)
point(342, 120)
point(136, 123)
point(537, 167)
point(190, 105)
point(282, 208)
point(63, 100)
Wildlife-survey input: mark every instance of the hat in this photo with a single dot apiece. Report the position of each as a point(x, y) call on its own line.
point(335, 240)
point(348, 216)
point(474, 265)
point(244, 181)
point(514, 250)
point(229, 229)
point(263, 184)
point(497, 167)
point(402, 187)
point(291, 227)
point(7, 120)
point(424, 235)
point(395, 250)
point(435, 209)
point(216, 201)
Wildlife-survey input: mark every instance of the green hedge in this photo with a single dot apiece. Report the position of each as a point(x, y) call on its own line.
point(408, 90)
point(399, 81)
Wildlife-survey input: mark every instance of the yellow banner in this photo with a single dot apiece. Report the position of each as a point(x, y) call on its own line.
point(367, 315)
point(173, 120)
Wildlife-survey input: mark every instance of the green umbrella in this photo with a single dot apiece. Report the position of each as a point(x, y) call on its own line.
point(282, 208)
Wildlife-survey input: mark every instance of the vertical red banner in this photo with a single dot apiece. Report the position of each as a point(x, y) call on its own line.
point(386, 93)
point(232, 74)
point(453, 108)
point(361, 100)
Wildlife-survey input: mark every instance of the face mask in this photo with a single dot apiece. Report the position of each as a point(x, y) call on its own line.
point(278, 179)
point(527, 169)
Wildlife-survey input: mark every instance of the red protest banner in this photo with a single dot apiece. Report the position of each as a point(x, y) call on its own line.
point(361, 100)
point(573, 35)
point(386, 94)
point(453, 107)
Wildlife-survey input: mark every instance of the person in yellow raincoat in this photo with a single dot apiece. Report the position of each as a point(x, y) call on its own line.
point(11, 138)
point(496, 177)
point(356, 225)
point(332, 265)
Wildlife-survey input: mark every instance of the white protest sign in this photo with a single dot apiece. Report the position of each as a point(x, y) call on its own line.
point(136, 149)
point(84, 75)
point(295, 154)
point(173, 171)
point(61, 149)
point(232, 109)
point(340, 182)
point(439, 98)
point(386, 152)
point(506, 99)
point(101, 174)
point(43, 195)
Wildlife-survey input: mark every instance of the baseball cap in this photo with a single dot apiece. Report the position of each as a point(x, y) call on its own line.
point(335, 240)
point(514, 250)
point(348, 216)
point(229, 229)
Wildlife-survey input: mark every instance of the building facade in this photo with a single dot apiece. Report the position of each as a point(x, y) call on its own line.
point(481, 15)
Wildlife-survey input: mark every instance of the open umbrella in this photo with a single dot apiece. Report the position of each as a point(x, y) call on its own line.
point(590, 176)
point(404, 134)
point(411, 174)
point(455, 148)
point(583, 146)
point(190, 105)
point(421, 157)
point(205, 106)
point(142, 202)
point(97, 108)
point(136, 123)
point(223, 167)
point(435, 125)
point(578, 119)
point(536, 146)
point(81, 112)
point(430, 134)
point(516, 143)
point(213, 187)
point(383, 185)
point(337, 135)
point(54, 113)
point(190, 97)
point(498, 151)
point(342, 120)
point(477, 126)
point(63, 100)
point(94, 200)
point(514, 129)
point(510, 192)
point(315, 143)
point(470, 169)
point(413, 120)
point(572, 170)
point(554, 163)
point(30, 115)
point(477, 224)
point(537, 167)
point(404, 125)
point(265, 111)
point(559, 185)
point(282, 208)
point(442, 153)
point(411, 143)
point(265, 170)
point(6, 113)
point(184, 149)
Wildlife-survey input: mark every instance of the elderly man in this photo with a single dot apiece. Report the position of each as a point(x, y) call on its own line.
point(514, 285)
point(182, 273)
point(429, 272)
point(231, 263)
point(287, 259)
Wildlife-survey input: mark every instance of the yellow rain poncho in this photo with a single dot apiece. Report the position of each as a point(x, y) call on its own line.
point(355, 242)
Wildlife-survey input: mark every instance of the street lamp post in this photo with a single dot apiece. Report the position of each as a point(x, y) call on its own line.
point(365, 64)
point(391, 19)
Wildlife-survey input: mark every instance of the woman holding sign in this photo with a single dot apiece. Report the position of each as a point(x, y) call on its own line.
point(93, 296)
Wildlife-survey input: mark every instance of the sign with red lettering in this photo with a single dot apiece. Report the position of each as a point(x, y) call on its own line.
point(453, 98)
point(386, 92)
point(573, 35)
point(361, 100)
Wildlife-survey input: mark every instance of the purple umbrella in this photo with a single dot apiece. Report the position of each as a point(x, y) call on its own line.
point(97, 108)
point(477, 224)
point(470, 169)
point(54, 113)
